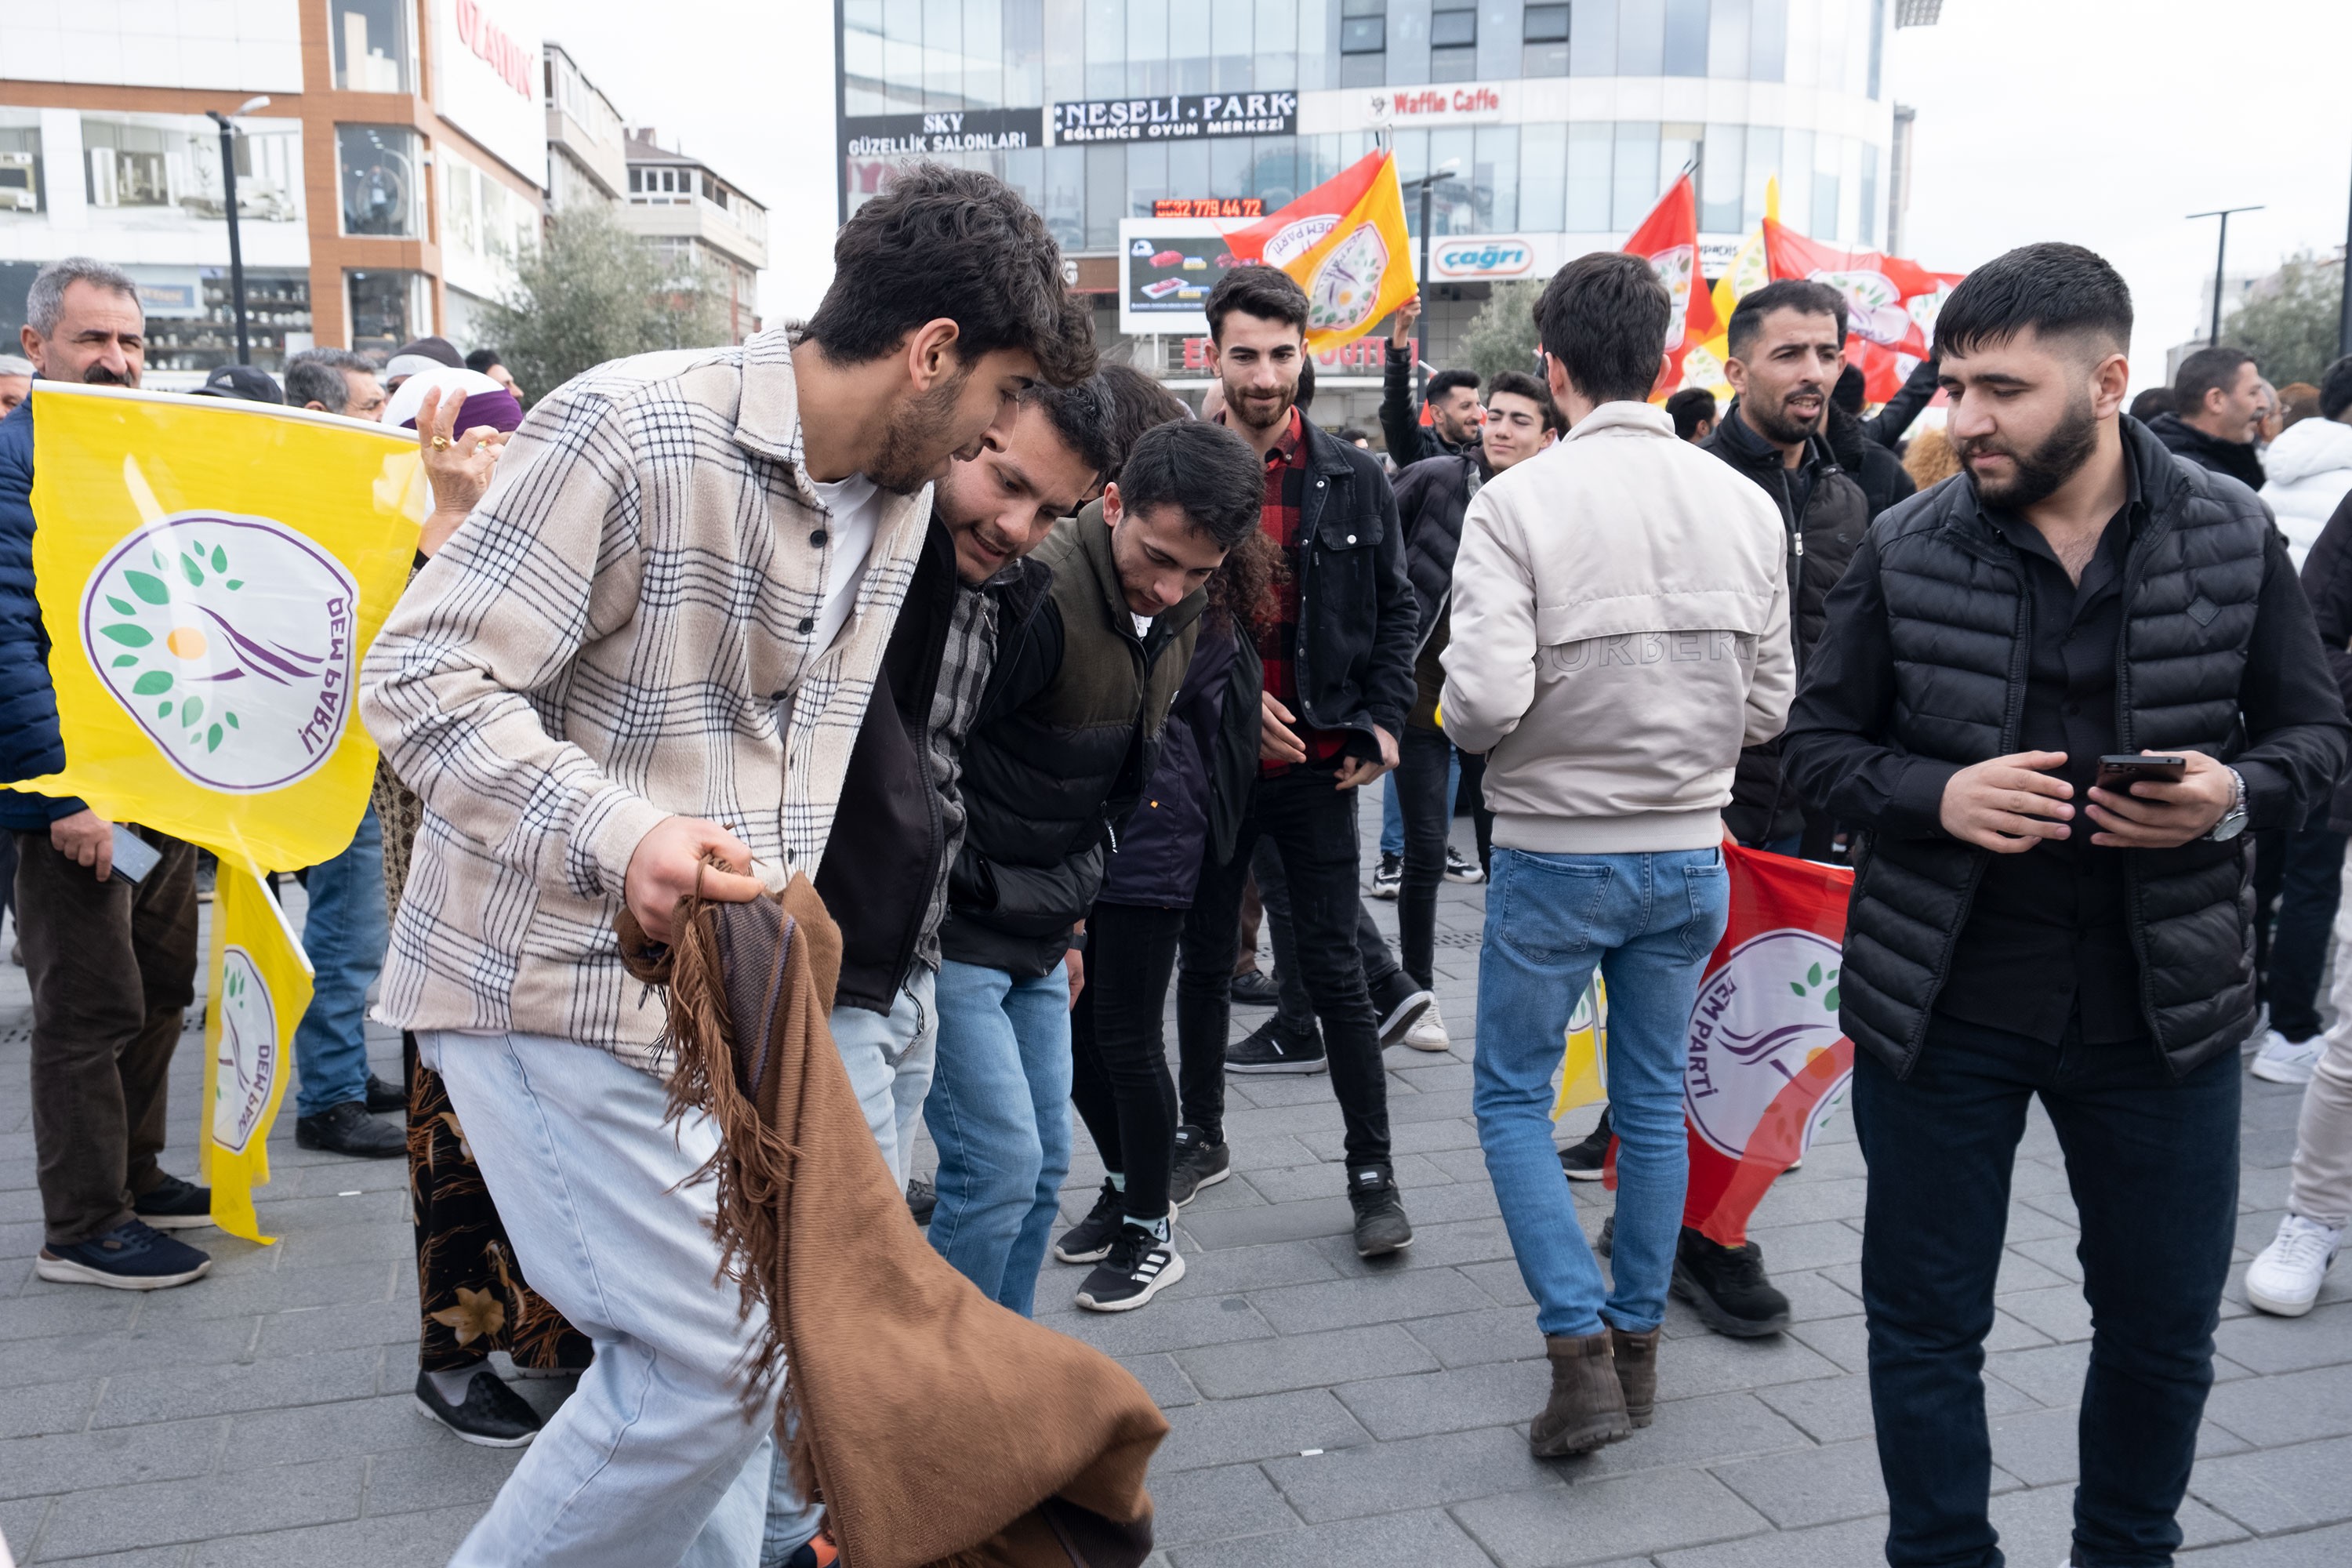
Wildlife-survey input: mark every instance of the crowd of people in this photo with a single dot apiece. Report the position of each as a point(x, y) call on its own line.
point(1054, 690)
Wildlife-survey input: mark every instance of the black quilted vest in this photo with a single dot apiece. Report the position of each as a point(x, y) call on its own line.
point(1958, 617)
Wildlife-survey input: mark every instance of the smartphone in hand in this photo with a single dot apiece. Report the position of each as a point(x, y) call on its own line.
point(133, 856)
point(2119, 772)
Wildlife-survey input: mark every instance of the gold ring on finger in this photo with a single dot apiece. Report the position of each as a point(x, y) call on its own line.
point(440, 443)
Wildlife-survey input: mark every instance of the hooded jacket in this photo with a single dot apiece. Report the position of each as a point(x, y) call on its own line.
point(1191, 806)
point(2310, 469)
point(1619, 630)
point(1067, 734)
point(1836, 513)
point(2236, 458)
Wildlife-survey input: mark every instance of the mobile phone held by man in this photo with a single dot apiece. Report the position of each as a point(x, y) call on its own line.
point(133, 856)
point(2119, 773)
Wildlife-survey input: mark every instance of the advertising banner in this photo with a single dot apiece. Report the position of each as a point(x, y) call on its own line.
point(942, 130)
point(1178, 117)
point(1166, 269)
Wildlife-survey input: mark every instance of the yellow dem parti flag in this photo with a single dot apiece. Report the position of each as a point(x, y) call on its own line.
point(260, 989)
point(211, 574)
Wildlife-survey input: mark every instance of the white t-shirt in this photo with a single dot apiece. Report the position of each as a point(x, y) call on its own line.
point(855, 510)
point(1142, 624)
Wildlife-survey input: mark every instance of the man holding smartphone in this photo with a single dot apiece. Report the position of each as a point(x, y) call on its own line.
point(2021, 926)
point(108, 912)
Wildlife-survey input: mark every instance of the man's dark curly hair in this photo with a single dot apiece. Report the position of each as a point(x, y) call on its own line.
point(1137, 403)
point(962, 245)
point(1083, 416)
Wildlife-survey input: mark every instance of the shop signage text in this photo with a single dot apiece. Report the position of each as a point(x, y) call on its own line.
point(942, 130)
point(1177, 117)
point(1209, 206)
point(514, 64)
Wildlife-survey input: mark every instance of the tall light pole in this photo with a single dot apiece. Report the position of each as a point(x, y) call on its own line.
point(2221, 258)
point(1428, 182)
point(228, 196)
point(2344, 311)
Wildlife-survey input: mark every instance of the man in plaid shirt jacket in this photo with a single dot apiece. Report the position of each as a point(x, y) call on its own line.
point(655, 638)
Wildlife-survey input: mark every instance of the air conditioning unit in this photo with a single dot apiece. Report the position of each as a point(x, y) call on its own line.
point(1918, 13)
point(20, 189)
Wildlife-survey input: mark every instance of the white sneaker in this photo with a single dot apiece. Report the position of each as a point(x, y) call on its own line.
point(2284, 1276)
point(1428, 1032)
point(2282, 1061)
point(2253, 1041)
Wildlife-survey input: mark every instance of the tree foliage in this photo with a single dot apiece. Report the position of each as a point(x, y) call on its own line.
point(593, 291)
point(2290, 323)
point(1502, 336)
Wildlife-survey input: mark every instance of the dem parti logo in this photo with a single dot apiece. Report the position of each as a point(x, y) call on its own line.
point(229, 640)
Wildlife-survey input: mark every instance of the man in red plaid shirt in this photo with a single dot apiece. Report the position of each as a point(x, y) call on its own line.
point(1339, 682)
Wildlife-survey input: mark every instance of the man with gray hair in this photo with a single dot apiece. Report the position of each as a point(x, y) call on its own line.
point(112, 959)
point(16, 382)
point(335, 381)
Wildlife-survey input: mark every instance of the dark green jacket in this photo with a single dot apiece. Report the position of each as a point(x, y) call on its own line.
point(1067, 734)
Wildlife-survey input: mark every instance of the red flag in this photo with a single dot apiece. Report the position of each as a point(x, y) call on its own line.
point(1767, 1061)
point(1289, 233)
point(1891, 303)
point(1668, 238)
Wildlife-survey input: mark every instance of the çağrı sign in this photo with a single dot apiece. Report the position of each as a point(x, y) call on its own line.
point(1176, 117)
point(485, 65)
point(1481, 256)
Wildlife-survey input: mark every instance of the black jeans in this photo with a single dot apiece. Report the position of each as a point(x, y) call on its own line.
point(113, 968)
point(2311, 871)
point(1295, 1013)
point(1424, 758)
point(1119, 1078)
point(2153, 1166)
point(1313, 829)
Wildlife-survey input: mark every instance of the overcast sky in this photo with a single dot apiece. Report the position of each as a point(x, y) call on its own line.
point(2101, 121)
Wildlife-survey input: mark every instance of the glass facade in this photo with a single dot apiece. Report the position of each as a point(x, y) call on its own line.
point(991, 58)
point(383, 193)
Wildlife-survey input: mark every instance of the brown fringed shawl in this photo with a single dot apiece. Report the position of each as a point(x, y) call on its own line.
point(940, 1429)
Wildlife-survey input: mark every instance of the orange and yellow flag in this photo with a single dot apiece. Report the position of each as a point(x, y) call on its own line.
point(1345, 241)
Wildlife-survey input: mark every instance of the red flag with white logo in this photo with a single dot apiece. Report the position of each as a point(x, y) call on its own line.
point(1891, 303)
point(1767, 1061)
point(1668, 240)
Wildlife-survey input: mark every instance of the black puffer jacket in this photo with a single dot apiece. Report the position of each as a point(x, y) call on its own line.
point(882, 859)
point(1431, 498)
point(1763, 807)
point(1196, 796)
point(1884, 479)
point(1069, 733)
point(1926, 674)
point(2327, 583)
point(2236, 458)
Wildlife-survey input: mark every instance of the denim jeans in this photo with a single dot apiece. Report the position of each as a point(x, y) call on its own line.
point(2152, 1162)
point(1295, 1009)
point(344, 936)
point(2309, 881)
point(652, 1459)
point(1428, 772)
point(1648, 923)
point(999, 1112)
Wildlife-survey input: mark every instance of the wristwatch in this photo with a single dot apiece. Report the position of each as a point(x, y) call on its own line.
point(2234, 821)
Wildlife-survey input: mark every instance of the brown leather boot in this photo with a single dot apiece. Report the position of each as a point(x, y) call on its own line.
point(1636, 1356)
point(1586, 1409)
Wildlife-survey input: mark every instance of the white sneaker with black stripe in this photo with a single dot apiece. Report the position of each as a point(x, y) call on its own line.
point(1138, 1268)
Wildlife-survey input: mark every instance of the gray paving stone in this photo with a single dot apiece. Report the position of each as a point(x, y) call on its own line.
point(1411, 1473)
point(1271, 1223)
point(419, 1538)
point(124, 1517)
point(441, 1474)
point(1855, 1543)
point(31, 1411)
point(1395, 1297)
point(1651, 1510)
point(1225, 1431)
point(2264, 1344)
point(1301, 1361)
point(2058, 1312)
point(1163, 1380)
point(1818, 1245)
point(2271, 1412)
point(1429, 1539)
point(2273, 1490)
point(1497, 1394)
point(64, 1312)
point(127, 1355)
point(2038, 1525)
point(376, 1425)
point(1811, 1486)
point(2329, 1548)
point(1170, 1323)
point(1218, 1504)
point(1492, 1333)
point(1715, 1429)
point(81, 1461)
point(1712, 1364)
point(175, 1393)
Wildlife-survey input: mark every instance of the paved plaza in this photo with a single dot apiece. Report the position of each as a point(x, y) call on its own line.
point(1327, 1413)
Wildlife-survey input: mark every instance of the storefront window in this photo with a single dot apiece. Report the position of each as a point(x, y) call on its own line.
point(382, 190)
point(372, 46)
point(191, 316)
point(20, 168)
point(388, 309)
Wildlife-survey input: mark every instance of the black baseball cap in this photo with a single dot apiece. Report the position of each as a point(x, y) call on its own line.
point(246, 383)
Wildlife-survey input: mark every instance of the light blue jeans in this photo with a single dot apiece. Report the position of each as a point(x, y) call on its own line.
point(1648, 923)
point(344, 936)
point(999, 1112)
point(653, 1460)
point(890, 1059)
point(1392, 810)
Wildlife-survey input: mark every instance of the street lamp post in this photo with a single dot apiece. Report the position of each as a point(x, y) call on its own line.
point(228, 196)
point(2344, 311)
point(2221, 256)
point(1428, 184)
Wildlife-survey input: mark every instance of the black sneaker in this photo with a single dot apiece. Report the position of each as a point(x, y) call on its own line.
point(1088, 1241)
point(493, 1415)
point(1199, 1164)
point(1389, 880)
point(348, 1128)
point(1136, 1266)
point(175, 1205)
point(1608, 1242)
point(382, 1095)
point(1399, 1004)
point(922, 1199)
point(1728, 1288)
point(1256, 988)
point(1269, 1048)
point(1380, 1224)
point(131, 1256)
point(1582, 1161)
point(1460, 868)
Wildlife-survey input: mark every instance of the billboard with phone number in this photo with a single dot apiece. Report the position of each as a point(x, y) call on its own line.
point(1166, 269)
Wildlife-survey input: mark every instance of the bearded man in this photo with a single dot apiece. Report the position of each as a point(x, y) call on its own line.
point(2029, 920)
